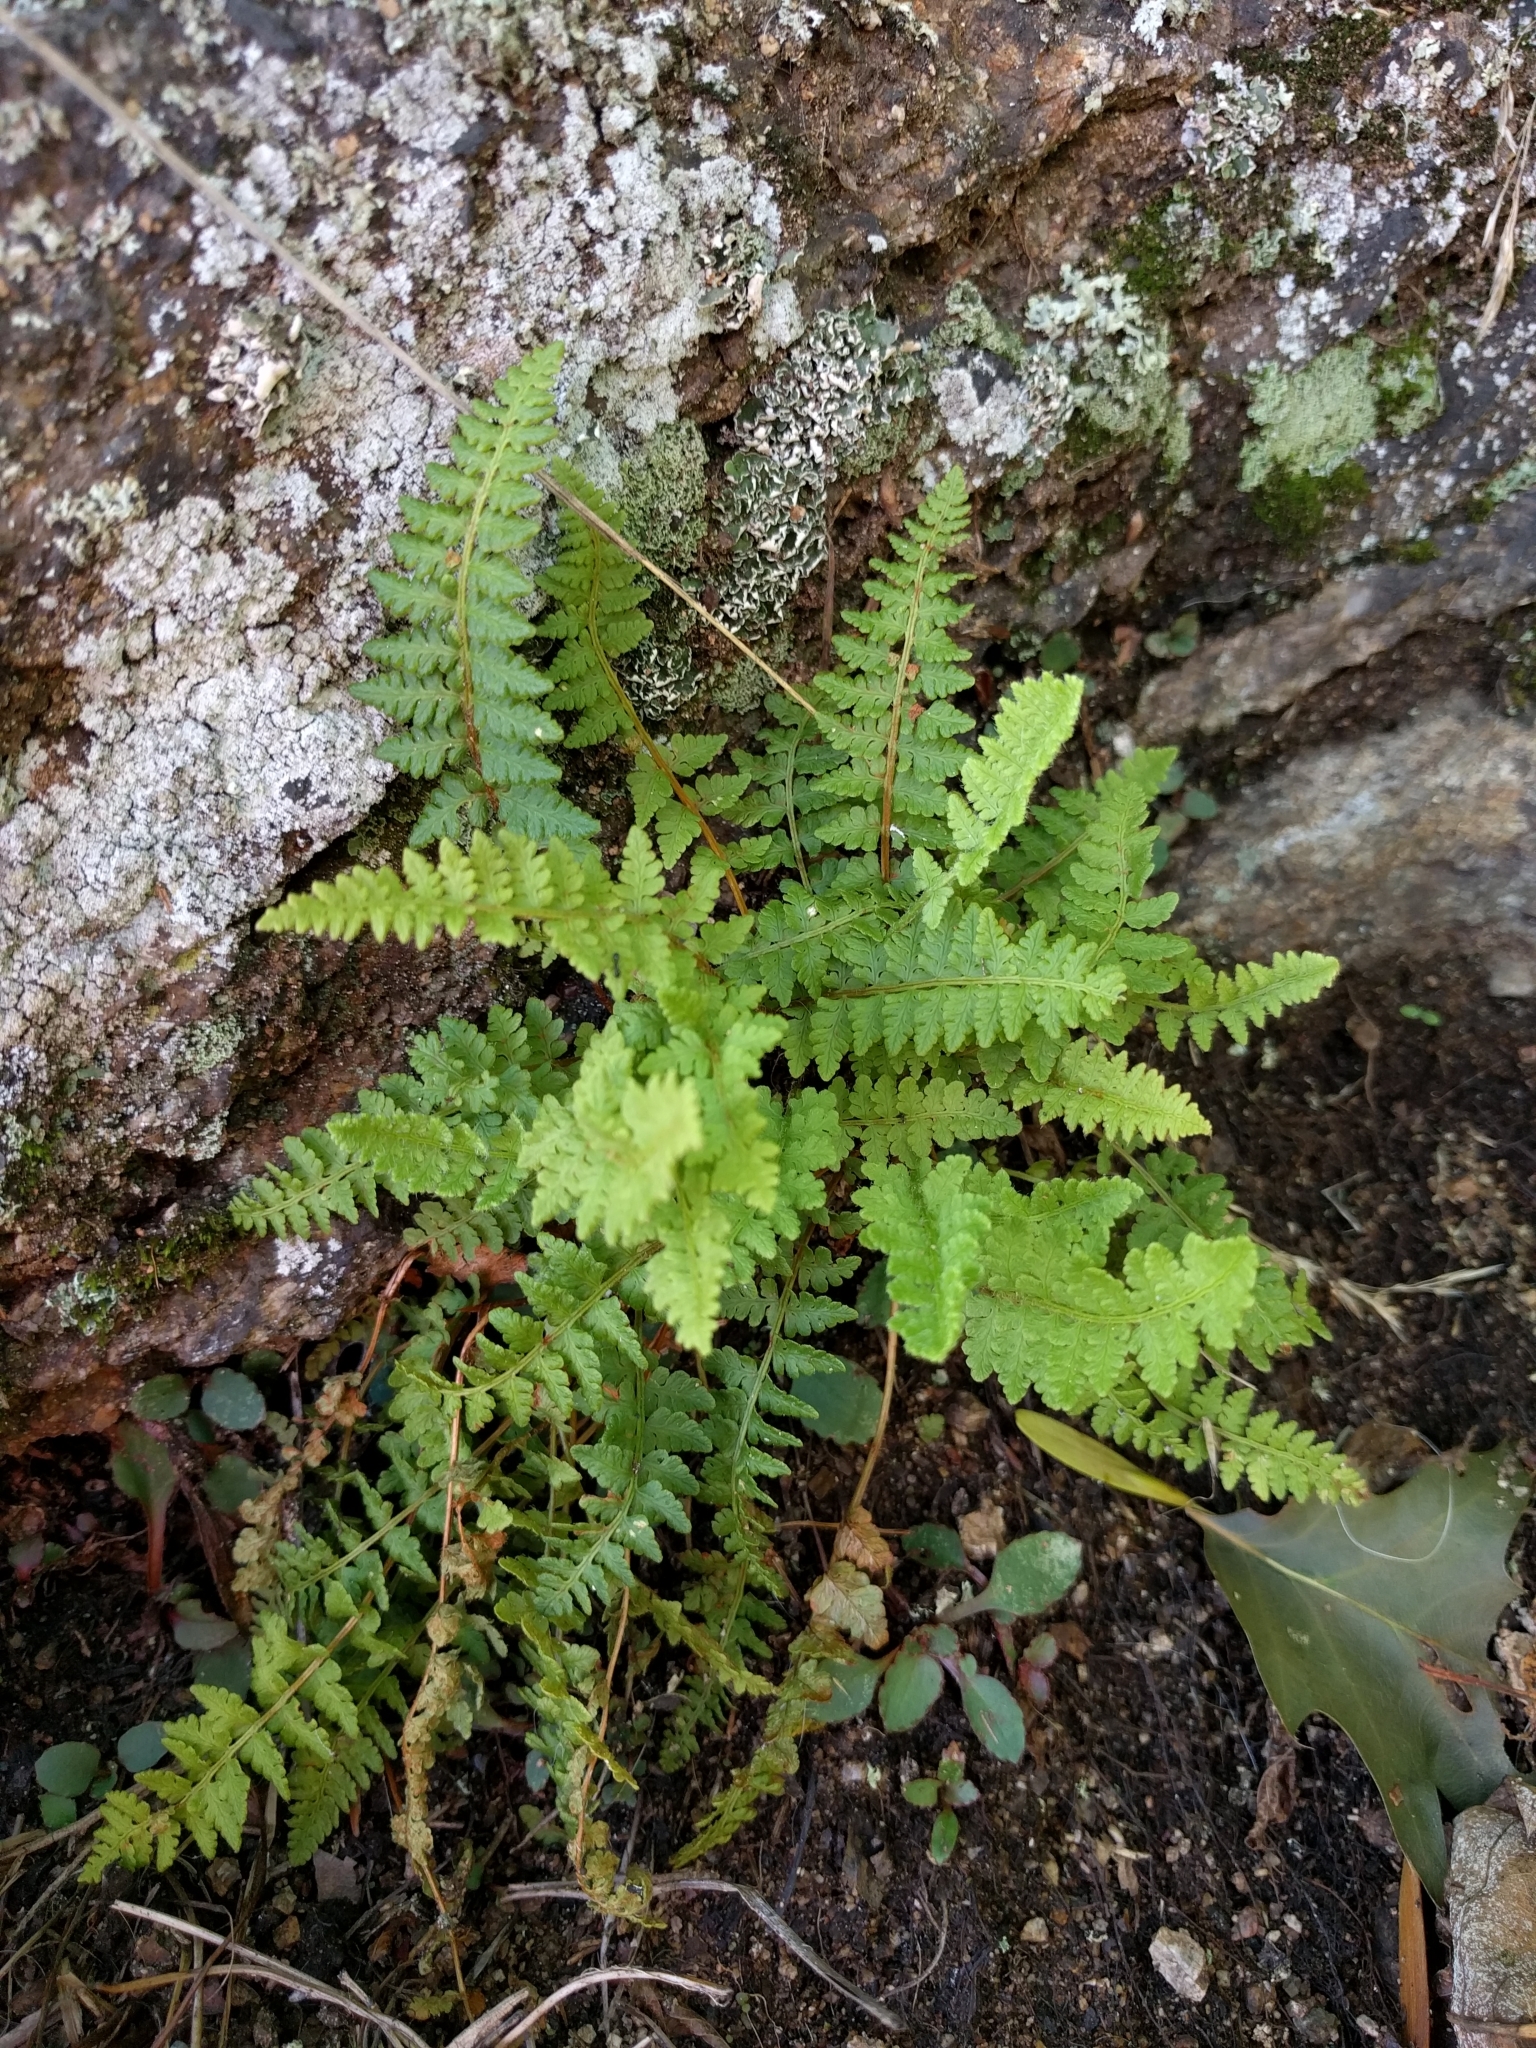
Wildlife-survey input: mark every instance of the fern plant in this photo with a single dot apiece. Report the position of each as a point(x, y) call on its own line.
point(640, 1240)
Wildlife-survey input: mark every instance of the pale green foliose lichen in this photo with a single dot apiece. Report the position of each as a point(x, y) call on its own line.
point(1408, 385)
point(85, 1302)
point(1313, 419)
point(1226, 129)
point(661, 494)
point(1116, 351)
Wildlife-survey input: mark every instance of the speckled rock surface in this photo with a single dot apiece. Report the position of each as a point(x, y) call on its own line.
point(1477, 573)
point(1491, 1905)
point(1190, 290)
point(1413, 844)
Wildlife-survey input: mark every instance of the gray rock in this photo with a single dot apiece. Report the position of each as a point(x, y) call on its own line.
point(1407, 844)
point(1490, 1901)
point(1261, 669)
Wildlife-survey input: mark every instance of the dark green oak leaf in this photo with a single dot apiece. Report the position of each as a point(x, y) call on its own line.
point(1345, 1606)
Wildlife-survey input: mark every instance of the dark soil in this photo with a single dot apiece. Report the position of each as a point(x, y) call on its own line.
point(1134, 1808)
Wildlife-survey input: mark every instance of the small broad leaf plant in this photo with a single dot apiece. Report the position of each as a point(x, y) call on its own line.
point(633, 1240)
point(951, 1791)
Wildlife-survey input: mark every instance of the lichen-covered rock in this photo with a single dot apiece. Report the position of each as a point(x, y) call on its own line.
point(1187, 290)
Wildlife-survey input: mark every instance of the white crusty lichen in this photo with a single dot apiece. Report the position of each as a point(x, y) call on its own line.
point(1227, 128)
point(219, 745)
point(89, 517)
point(996, 413)
point(217, 727)
point(256, 354)
point(1002, 398)
point(24, 124)
point(1153, 16)
point(845, 379)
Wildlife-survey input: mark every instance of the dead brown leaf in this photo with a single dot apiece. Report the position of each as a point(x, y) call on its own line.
point(846, 1600)
point(983, 1532)
point(861, 1543)
point(1276, 1798)
point(491, 1269)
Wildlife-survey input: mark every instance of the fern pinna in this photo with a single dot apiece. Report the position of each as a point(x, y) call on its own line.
point(640, 1239)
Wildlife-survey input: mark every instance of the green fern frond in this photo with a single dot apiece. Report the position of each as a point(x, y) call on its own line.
point(466, 702)
point(932, 1227)
point(972, 981)
point(886, 745)
point(1091, 1089)
point(906, 1119)
point(1212, 1426)
point(1034, 722)
point(325, 1178)
point(597, 621)
point(1251, 994)
point(1047, 1314)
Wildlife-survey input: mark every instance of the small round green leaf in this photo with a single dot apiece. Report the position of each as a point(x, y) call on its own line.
point(921, 1791)
point(853, 1687)
point(995, 1715)
point(68, 1768)
point(1034, 1573)
point(1061, 653)
point(847, 1405)
point(142, 1468)
point(141, 1747)
point(57, 1811)
point(233, 1401)
point(536, 1771)
point(946, 1832)
point(1197, 804)
point(203, 1631)
point(934, 1543)
point(912, 1683)
point(229, 1668)
point(161, 1399)
point(232, 1480)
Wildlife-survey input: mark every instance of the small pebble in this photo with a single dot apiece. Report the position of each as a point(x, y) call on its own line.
point(1181, 1963)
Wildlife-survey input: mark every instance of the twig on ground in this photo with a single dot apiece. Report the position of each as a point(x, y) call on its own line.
point(16, 1847)
point(57, 1884)
point(618, 1973)
point(1413, 1960)
point(927, 1971)
point(663, 1887)
point(808, 1807)
point(1361, 1300)
point(250, 1962)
